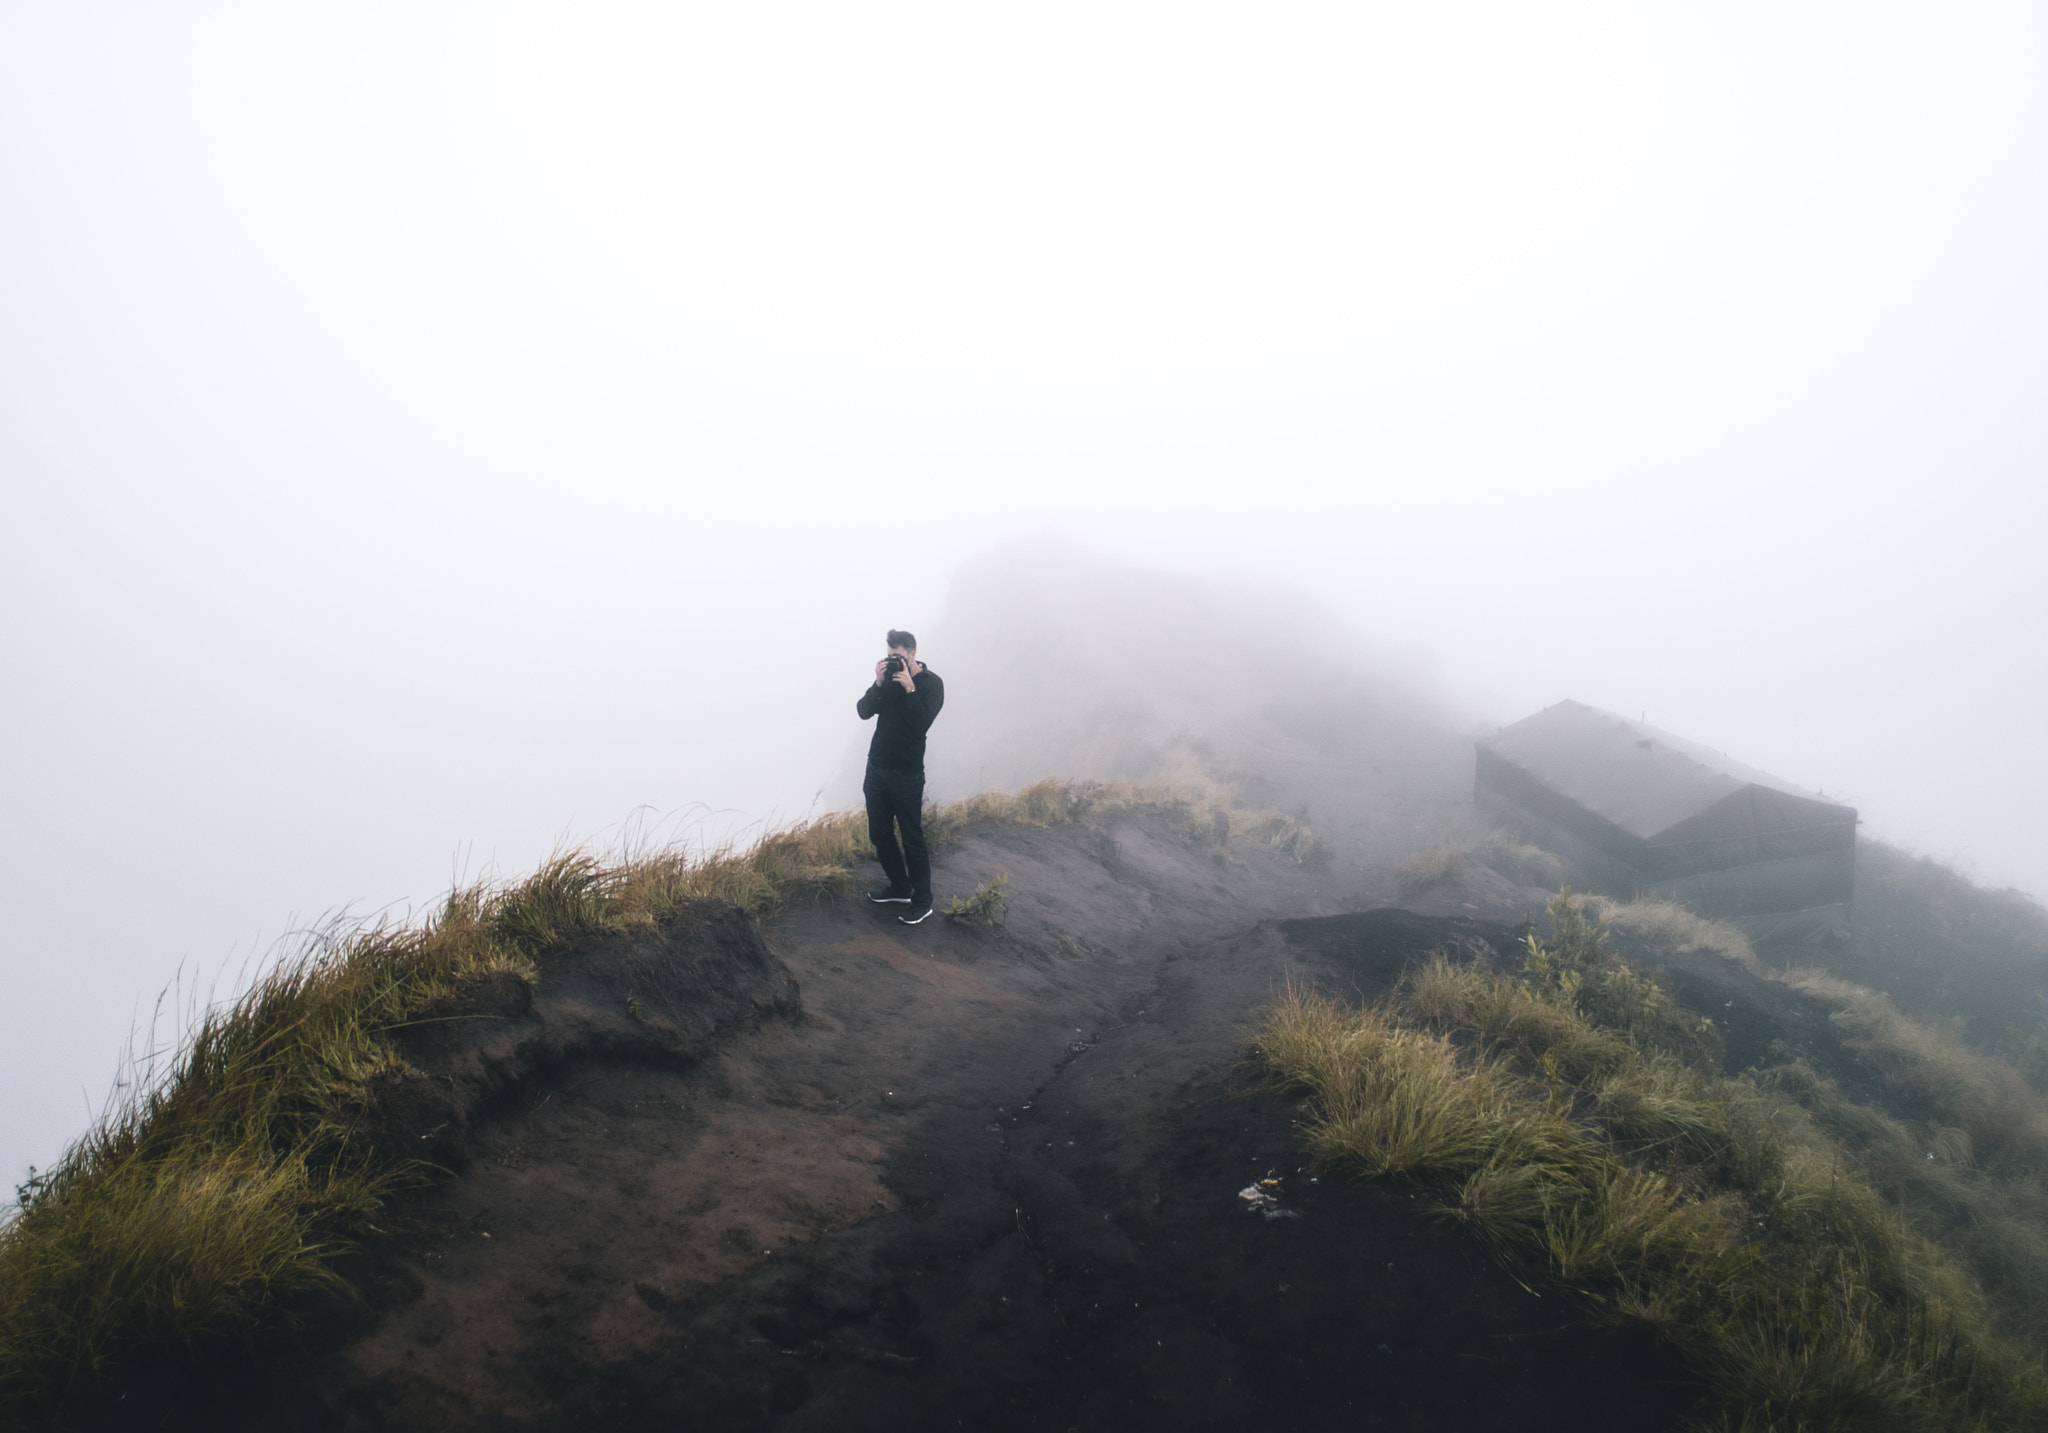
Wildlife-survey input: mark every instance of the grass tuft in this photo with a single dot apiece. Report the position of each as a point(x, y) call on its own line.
point(1427, 870)
point(241, 1170)
point(1672, 928)
point(1470, 841)
point(986, 906)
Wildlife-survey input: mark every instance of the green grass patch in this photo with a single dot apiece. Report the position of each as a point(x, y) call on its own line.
point(1822, 1264)
point(986, 907)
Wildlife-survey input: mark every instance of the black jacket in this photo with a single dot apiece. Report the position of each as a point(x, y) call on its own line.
point(902, 719)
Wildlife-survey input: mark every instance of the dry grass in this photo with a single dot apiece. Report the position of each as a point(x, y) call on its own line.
point(1207, 816)
point(1388, 1099)
point(817, 857)
point(1291, 837)
point(1469, 841)
point(1043, 803)
point(240, 1169)
point(1730, 1214)
point(1427, 870)
point(1670, 927)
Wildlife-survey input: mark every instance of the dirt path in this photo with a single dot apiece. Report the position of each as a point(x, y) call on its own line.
point(985, 1180)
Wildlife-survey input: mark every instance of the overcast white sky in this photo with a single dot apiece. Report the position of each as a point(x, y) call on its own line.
point(429, 430)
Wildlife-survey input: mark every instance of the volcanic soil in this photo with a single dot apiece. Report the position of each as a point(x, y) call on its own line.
point(935, 1177)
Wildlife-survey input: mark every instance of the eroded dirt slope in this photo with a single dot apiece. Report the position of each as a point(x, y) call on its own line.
point(981, 1179)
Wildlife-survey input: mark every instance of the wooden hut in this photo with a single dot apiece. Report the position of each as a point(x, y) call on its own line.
point(1644, 812)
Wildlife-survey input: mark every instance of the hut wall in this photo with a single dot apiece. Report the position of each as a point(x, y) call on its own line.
point(1796, 883)
point(1813, 925)
point(1755, 826)
point(1779, 867)
point(1516, 790)
point(1601, 871)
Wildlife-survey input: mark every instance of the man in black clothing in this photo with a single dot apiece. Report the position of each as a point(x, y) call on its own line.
point(904, 701)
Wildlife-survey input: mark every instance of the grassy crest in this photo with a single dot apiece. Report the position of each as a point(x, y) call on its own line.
point(1469, 842)
point(1957, 904)
point(1822, 1263)
point(1669, 927)
point(240, 1170)
point(243, 1169)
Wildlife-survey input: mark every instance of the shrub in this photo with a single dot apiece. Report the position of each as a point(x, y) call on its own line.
point(985, 906)
point(1671, 929)
point(1523, 863)
point(1291, 836)
point(1470, 841)
point(1576, 969)
point(1426, 870)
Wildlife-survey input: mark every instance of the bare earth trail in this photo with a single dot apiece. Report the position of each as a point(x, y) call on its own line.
point(984, 1179)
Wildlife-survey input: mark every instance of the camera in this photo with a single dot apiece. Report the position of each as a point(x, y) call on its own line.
point(893, 666)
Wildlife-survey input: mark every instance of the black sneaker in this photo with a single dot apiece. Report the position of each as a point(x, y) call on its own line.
point(886, 897)
point(912, 917)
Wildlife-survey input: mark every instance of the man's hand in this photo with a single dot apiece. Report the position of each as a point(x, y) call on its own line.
point(907, 678)
point(881, 670)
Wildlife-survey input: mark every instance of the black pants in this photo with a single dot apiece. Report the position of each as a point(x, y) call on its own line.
point(898, 796)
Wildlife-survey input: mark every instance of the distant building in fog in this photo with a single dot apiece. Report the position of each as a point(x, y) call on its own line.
point(1642, 811)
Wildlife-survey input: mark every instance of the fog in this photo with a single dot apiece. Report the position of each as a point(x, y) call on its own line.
point(433, 433)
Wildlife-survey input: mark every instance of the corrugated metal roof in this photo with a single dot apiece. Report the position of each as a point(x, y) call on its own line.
point(1639, 778)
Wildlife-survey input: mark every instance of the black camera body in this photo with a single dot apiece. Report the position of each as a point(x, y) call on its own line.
point(892, 666)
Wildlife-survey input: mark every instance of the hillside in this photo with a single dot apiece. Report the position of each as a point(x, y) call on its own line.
point(705, 1139)
point(964, 1174)
point(815, 1170)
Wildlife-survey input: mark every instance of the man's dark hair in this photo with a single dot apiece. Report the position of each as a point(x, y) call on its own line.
point(902, 639)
